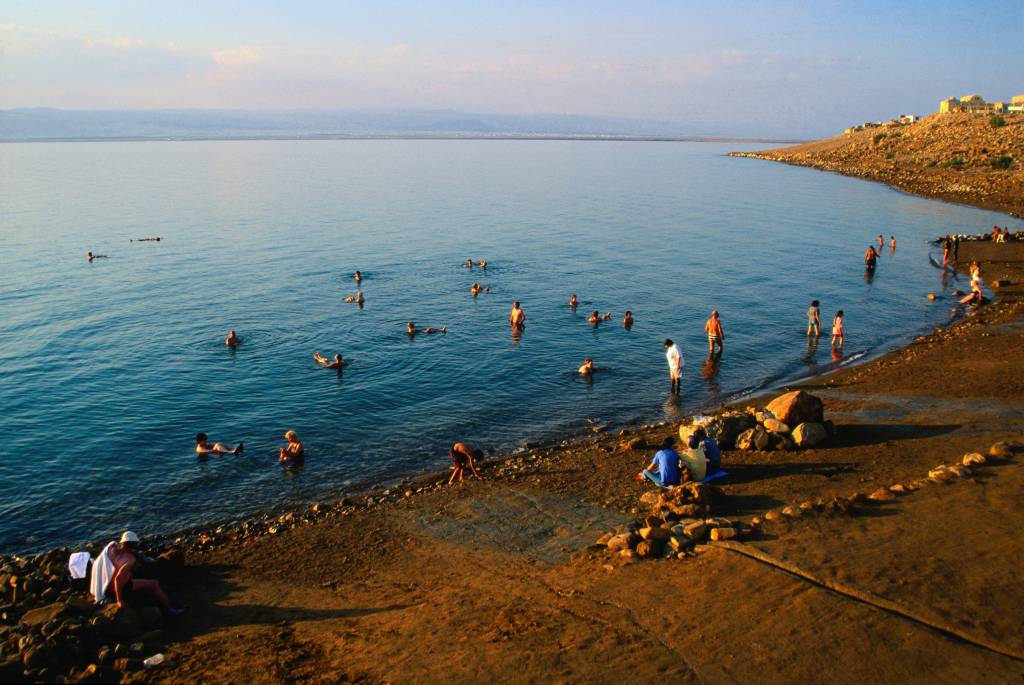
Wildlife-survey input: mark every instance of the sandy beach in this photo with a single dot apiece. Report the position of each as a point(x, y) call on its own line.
point(500, 580)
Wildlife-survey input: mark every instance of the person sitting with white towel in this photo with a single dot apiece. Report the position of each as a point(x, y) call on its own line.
point(112, 572)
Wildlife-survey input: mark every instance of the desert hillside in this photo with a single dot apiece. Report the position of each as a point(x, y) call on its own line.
point(973, 159)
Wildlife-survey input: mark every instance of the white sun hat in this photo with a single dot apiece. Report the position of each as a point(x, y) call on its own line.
point(129, 536)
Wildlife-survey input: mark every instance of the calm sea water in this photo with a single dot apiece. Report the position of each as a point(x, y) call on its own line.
point(108, 369)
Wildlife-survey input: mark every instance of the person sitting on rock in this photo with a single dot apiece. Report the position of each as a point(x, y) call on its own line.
point(123, 555)
point(663, 470)
point(695, 459)
point(711, 451)
point(463, 455)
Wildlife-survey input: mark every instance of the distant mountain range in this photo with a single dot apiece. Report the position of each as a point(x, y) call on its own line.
point(199, 124)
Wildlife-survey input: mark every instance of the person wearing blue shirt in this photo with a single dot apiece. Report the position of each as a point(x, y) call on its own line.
point(664, 468)
point(711, 451)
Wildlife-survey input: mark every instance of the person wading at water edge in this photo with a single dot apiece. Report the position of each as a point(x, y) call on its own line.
point(674, 355)
point(516, 317)
point(814, 319)
point(293, 452)
point(463, 456)
point(716, 334)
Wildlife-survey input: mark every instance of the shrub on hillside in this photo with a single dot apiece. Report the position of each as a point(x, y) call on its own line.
point(997, 121)
point(878, 138)
point(955, 163)
point(890, 155)
point(1002, 162)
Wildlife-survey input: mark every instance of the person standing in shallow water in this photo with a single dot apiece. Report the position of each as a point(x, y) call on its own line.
point(517, 318)
point(837, 331)
point(814, 319)
point(716, 334)
point(674, 356)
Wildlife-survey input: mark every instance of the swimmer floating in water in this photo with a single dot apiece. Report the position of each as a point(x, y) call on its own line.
point(357, 298)
point(627, 321)
point(146, 240)
point(205, 447)
point(476, 289)
point(293, 452)
point(323, 361)
point(468, 264)
point(411, 330)
point(358, 276)
point(482, 264)
point(90, 256)
point(588, 369)
point(232, 340)
point(573, 302)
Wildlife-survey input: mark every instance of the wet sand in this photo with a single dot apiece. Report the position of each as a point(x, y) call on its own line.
point(493, 580)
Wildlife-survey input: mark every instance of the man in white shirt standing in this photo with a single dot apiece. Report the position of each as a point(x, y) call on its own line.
point(674, 355)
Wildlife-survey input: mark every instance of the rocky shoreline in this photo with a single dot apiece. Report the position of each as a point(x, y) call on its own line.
point(49, 631)
point(960, 158)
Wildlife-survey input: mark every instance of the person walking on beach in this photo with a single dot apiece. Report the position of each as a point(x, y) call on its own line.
point(814, 319)
point(674, 355)
point(837, 330)
point(463, 456)
point(517, 318)
point(205, 447)
point(232, 340)
point(293, 452)
point(716, 334)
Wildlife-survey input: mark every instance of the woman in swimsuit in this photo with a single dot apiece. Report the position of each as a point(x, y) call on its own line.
point(837, 330)
point(293, 452)
point(814, 319)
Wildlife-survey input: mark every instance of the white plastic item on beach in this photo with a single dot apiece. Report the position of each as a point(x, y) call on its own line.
point(154, 660)
point(78, 565)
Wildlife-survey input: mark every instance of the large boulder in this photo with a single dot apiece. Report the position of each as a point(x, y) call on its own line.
point(797, 407)
point(809, 434)
point(724, 428)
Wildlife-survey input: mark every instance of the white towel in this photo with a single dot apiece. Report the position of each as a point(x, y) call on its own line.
point(78, 565)
point(102, 574)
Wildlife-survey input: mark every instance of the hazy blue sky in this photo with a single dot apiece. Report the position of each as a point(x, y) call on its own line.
point(735, 68)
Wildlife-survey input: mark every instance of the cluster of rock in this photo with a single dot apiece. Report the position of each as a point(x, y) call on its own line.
point(52, 631)
point(795, 420)
point(679, 520)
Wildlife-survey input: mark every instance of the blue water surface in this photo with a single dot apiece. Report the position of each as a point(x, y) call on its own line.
point(107, 370)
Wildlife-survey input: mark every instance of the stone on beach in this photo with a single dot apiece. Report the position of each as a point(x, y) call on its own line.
point(724, 534)
point(809, 434)
point(882, 495)
point(1005, 449)
point(797, 407)
point(775, 426)
point(974, 458)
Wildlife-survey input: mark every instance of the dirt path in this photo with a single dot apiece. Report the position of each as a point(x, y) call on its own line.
point(487, 582)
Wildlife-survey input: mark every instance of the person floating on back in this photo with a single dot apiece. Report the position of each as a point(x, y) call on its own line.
point(463, 456)
point(357, 298)
point(204, 447)
point(837, 330)
point(814, 319)
point(90, 256)
point(517, 317)
point(293, 452)
point(663, 470)
point(674, 356)
point(627, 321)
point(337, 363)
point(411, 330)
point(232, 340)
point(716, 334)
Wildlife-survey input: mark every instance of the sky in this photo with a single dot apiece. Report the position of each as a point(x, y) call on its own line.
point(769, 68)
